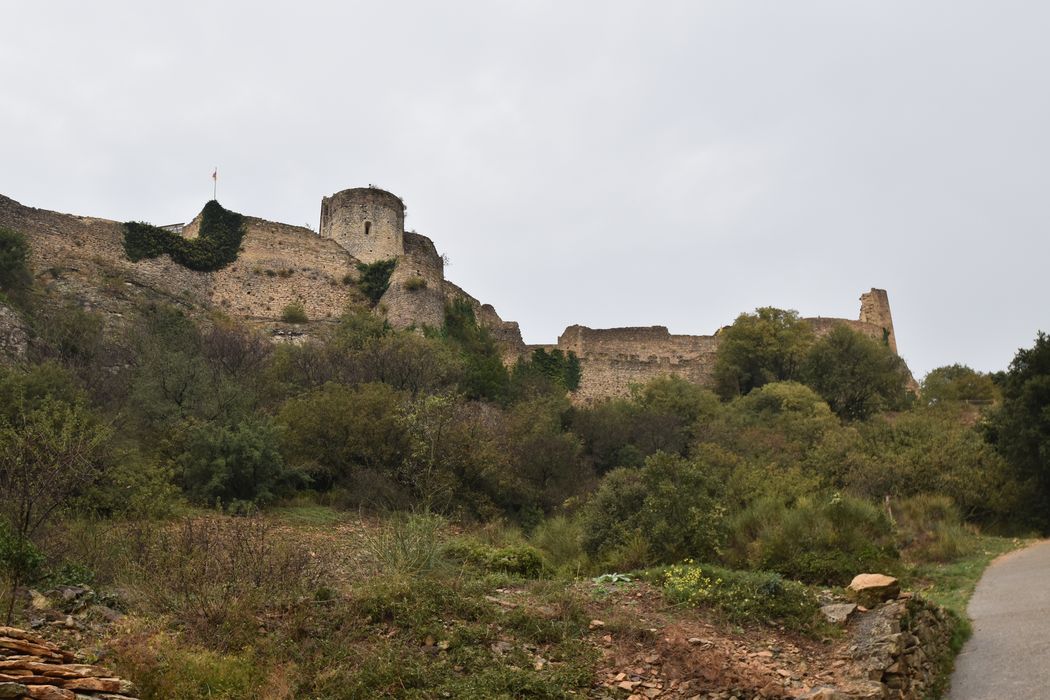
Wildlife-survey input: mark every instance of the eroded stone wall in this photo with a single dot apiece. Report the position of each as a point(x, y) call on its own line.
point(613, 359)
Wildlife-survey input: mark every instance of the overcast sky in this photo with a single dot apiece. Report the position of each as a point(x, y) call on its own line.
point(604, 163)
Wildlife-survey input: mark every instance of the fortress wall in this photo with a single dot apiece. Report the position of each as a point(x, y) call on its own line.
point(83, 257)
point(615, 358)
point(423, 306)
point(506, 333)
point(822, 326)
point(280, 264)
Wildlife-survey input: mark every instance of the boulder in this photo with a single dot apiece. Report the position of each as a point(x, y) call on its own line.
point(871, 589)
point(838, 613)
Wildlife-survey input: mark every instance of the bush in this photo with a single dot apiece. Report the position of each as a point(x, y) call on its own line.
point(228, 466)
point(294, 313)
point(744, 596)
point(218, 575)
point(215, 247)
point(520, 560)
point(414, 284)
point(560, 538)
point(14, 255)
point(820, 540)
point(672, 503)
point(375, 278)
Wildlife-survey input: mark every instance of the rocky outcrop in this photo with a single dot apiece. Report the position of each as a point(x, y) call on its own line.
point(900, 650)
point(32, 667)
point(14, 336)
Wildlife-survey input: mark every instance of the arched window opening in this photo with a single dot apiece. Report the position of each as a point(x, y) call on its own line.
point(368, 227)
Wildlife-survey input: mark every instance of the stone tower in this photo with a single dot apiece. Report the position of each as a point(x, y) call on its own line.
point(369, 223)
point(875, 309)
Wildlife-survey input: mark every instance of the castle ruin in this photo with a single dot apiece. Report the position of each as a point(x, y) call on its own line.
point(280, 264)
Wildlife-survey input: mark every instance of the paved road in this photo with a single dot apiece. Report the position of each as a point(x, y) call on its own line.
point(1009, 653)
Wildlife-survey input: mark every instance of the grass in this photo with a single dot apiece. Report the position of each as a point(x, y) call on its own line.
point(951, 584)
point(309, 514)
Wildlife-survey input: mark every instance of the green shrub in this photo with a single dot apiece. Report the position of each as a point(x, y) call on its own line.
point(14, 254)
point(294, 313)
point(560, 538)
point(520, 560)
point(674, 504)
point(743, 596)
point(216, 246)
point(375, 278)
point(820, 540)
point(230, 465)
point(414, 284)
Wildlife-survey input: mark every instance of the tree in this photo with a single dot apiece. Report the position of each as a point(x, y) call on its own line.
point(1021, 428)
point(856, 375)
point(766, 346)
point(337, 431)
point(51, 450)
point(958, 383)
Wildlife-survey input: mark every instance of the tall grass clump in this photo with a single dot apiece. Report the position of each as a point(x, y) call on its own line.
point(406, 544)
point(930, 528)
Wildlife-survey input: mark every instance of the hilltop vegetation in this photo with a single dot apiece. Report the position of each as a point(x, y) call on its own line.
point(126, 448)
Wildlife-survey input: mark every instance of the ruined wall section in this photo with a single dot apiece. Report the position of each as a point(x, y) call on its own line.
point(416, 296)
point(507, 334)
point(615, 358)
point(281, 264)
point(367, 222)
point(875, 309)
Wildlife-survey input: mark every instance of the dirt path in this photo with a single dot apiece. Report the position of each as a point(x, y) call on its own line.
point(1007, 655)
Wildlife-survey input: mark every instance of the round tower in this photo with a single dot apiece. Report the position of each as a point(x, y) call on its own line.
point(366, 221)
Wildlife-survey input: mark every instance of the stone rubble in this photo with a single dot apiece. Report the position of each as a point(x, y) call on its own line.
point(32, 668)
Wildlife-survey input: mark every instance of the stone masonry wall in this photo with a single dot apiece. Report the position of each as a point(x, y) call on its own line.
point(416, 295)
point(614, 359)
point(367, 222)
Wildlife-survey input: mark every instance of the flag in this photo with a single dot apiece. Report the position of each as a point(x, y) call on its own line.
point(215, 174)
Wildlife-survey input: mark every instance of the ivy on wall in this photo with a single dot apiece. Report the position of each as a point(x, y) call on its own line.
point(214, 248)
point(375, 278)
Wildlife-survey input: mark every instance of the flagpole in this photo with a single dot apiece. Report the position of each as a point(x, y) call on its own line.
point(215, 183)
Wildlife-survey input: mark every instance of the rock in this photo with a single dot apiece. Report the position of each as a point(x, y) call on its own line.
point(872, 690)
point(14, 336)
point(12, 690)
point(39, 601)
point(838, 613)
point(823, 693)
point(596, 624)
point(50, 692)
point(871, 589)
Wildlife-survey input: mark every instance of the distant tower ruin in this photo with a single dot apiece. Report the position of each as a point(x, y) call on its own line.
point(875, 309)
point(369, 223)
